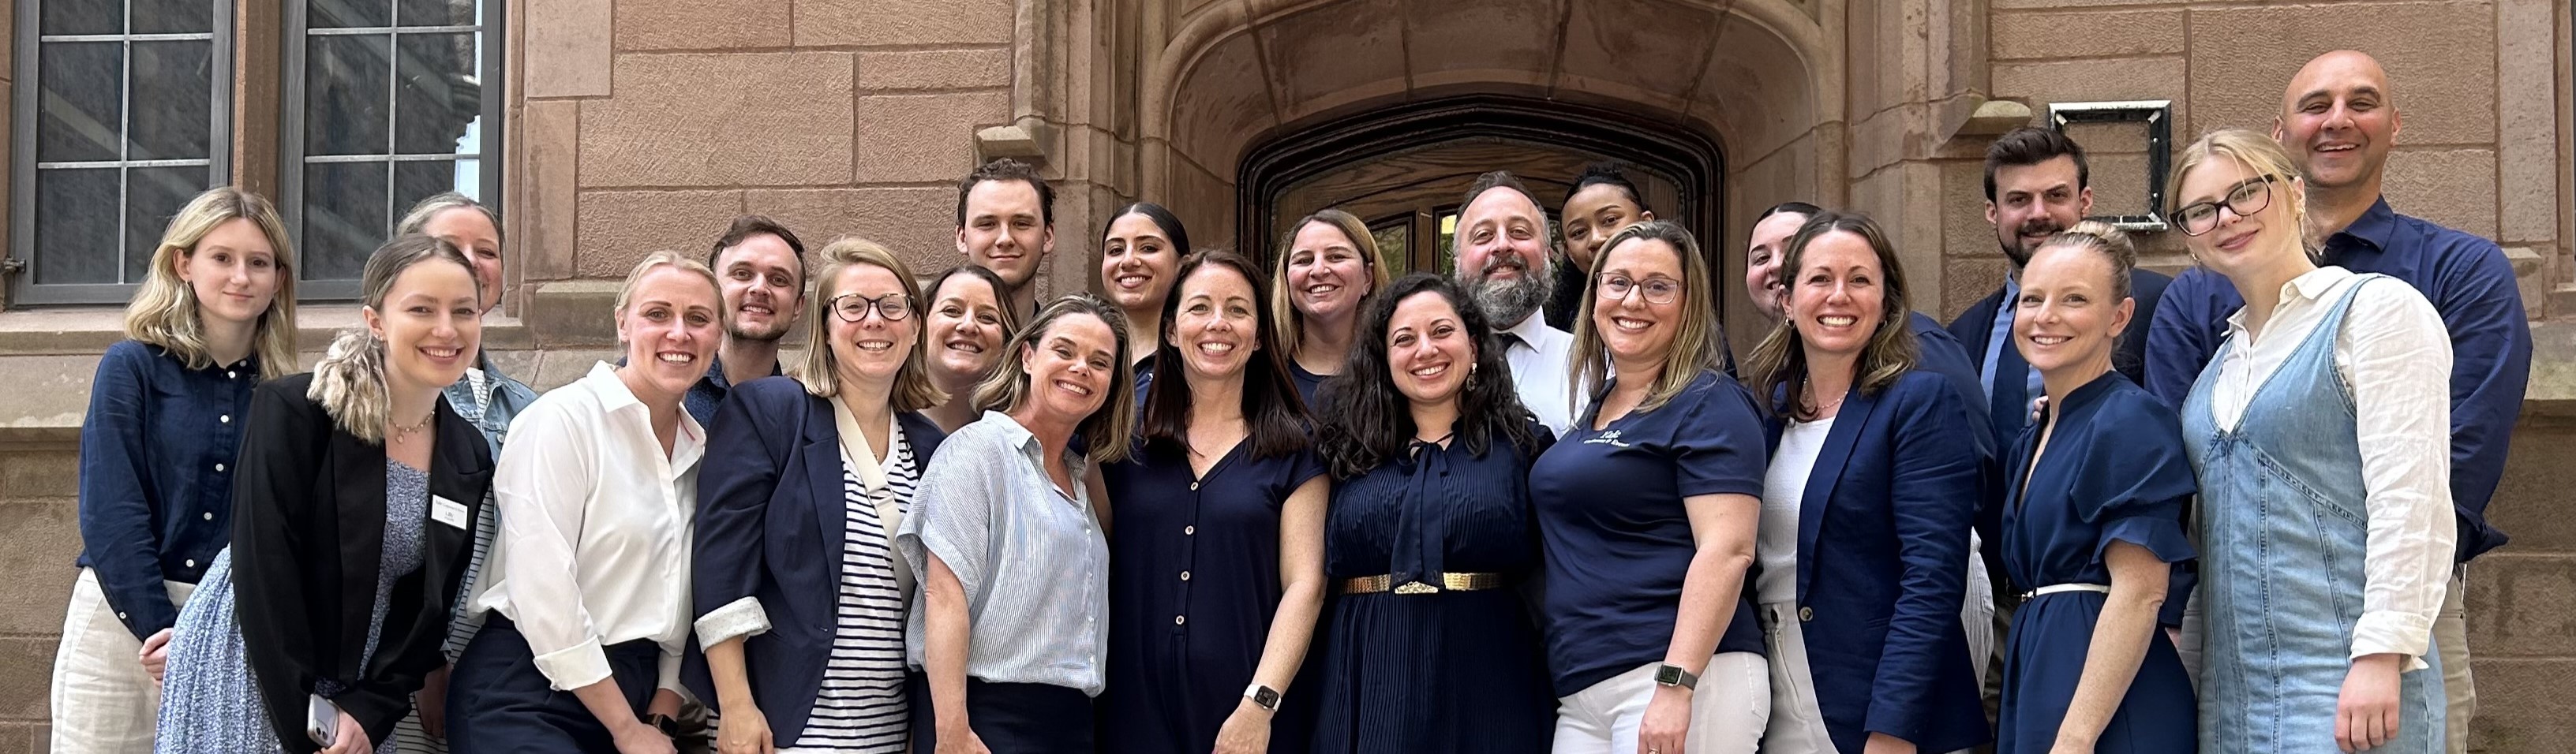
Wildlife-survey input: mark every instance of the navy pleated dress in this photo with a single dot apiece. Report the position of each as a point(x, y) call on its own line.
point(2115, 471)
point(1454, 671)
point(1193, 583)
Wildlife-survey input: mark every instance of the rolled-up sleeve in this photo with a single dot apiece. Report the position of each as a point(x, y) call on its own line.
point(735, 482)
point(542, 482)
point(2397, 359)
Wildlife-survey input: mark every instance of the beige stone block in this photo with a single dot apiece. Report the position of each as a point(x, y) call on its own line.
point(1648, 46)
point(618, 228)
point(569, 314)
point(923, 137)
point(1758, 91)
point(2442, 76)
point(2068, 4)
point(1444, 37)
point(564, 49)
point(917, 223)
point(2119, 183)
point(2524, 604)
point(1319, 59)
point(558, 367)
point(1965, 232)
point(2454, 187)
point(903, 22)
point(1889, 137)
point(701, 25)
point(2522, 704)
point(2015, 36)
point(902, 70)
point(2529, 503)
point(1221, 103)
point(2095, 80)
point(2527, 119)
point(762, 119)
point(551, 141)
point(1966, 281)
point(39, 537)
point(44, 470)
point(35, 737)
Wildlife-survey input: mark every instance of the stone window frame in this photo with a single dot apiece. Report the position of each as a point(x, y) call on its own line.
point(2157, 116)
point(291, 160)
point(27, 117)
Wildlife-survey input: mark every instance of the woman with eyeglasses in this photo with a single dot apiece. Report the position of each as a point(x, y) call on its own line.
point(800, 598)
point(1429, 538)
point(2321, 436)
point(1647, 506)
point(1327, 269)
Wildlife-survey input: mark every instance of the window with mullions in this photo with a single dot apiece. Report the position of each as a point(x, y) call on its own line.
point(122, 114)
point(388, 102)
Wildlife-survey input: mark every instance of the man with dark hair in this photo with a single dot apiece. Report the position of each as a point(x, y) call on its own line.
point(1501, 252)
point(2338, 120)
point(2037, 184)
point(761, 267)
point(1006, 223)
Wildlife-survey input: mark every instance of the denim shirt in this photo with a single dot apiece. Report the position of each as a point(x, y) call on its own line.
point(2468, 280)
point(156, 486)
point(491, 402)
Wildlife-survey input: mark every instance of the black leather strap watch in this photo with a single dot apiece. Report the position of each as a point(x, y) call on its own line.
point(669, 726)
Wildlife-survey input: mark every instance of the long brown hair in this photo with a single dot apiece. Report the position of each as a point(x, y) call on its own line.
point(1779, 364)
point(1274, 419)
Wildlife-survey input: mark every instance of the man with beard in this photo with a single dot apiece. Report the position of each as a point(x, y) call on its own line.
point(2036, 185)
point(762, 268)
point(1006, 223)
point(2338, 119)
point(1503, 262)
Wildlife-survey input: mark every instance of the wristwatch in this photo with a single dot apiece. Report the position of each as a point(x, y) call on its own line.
point(1669, 674)
point(1263, 696)
point(668, 725)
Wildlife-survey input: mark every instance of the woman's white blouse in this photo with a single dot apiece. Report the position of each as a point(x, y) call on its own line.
point(2395, 355)
point(595, 530)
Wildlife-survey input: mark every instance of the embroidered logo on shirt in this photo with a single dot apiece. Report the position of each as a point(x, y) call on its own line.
point(1610, 438)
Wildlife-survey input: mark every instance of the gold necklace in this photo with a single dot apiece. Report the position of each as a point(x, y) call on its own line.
point(403, 433)
point(1822, 408)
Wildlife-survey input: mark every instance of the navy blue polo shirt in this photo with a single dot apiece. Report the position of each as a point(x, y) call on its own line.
point(1619, 541)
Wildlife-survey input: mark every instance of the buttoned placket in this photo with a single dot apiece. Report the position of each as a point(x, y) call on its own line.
point(1189, 554)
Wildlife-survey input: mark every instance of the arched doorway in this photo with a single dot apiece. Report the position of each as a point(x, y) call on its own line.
point(1403, 169)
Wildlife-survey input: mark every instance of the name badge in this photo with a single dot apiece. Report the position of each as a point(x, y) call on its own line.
point(447, 511)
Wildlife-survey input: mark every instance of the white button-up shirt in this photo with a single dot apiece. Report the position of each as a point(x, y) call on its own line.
point(1541, 359)
point(1032, 560)
point(595, 530)
point(2395, 354)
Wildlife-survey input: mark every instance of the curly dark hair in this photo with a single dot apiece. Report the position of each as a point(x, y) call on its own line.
point(1366, 423)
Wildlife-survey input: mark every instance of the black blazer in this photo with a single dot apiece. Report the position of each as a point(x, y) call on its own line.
point(308, 540)
point(2147, 286)
point(771, 515)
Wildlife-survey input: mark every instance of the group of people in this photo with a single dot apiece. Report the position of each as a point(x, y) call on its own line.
point(1534, 504)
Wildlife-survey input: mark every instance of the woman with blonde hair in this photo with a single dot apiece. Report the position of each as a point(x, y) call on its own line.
point(1327, 269)
point(359, 486)
point(1013, 620)
point(216, 315)
point(2320, 434)
point(587, 588)
point(800, 599)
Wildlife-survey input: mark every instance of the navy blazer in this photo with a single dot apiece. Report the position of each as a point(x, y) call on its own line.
point(1973, 326)
point(771, 497)
point(1888, 505)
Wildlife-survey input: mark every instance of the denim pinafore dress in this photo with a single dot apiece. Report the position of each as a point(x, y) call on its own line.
point(2283, 528)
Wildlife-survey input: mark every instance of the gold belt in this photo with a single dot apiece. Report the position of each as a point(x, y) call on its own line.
point(1451, 582)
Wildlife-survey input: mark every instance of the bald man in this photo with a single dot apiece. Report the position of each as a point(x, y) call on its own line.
point(2338, 120)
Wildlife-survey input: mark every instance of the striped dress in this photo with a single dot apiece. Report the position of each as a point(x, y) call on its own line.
point(861, 706)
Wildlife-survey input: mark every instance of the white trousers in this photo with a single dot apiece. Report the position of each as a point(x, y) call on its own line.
point(1728, 708)
point(103, 702)
point(1797, 723)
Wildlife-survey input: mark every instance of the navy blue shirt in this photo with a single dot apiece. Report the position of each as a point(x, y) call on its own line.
point(709, 392)
point(1307, 384)
point(156, 475)
point(2468, 281)
point(1618, 540)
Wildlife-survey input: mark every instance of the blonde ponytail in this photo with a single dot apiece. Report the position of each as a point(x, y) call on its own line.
point(349, 382)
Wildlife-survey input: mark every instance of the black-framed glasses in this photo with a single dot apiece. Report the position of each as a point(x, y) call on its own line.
point(1614, 286)
point(852, 307)
point(2245, 199)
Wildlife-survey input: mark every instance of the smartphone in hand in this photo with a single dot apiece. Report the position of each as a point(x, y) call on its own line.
point(322, 721)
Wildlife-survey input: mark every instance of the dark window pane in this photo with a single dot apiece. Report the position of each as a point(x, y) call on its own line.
point(83, 17)
point(76, 226)
point(346, 79)
point(414, 181)
point(152, 197)
point(344, 218)
point(436, 95)
point(174, 100)
point(334, 14)
point(436, 13)
point(83, 83)
point(172, 16)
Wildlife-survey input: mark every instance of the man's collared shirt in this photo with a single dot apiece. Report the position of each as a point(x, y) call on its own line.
point(1540, 357)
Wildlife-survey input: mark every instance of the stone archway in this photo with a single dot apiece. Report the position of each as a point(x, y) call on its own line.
point(1759, 79)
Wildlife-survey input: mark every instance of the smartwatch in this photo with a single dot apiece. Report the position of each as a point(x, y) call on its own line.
point(665, 723)
point(1263, 696)
point(1669, 674)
